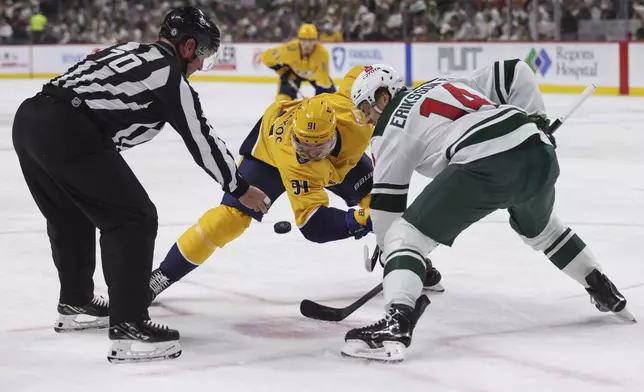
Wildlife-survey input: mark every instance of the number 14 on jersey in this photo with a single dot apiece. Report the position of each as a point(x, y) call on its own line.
point(467, 99)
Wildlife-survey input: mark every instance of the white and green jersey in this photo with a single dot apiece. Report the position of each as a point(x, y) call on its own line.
point(438, 123)
point(509, 82)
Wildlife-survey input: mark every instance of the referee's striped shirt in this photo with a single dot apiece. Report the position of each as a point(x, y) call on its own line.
point(131, 91)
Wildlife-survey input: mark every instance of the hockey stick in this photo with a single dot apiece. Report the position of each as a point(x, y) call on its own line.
point(588, 91)
point(296, 88)
point(318, 311)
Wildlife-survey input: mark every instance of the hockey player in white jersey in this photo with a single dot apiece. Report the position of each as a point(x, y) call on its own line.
point(508, 82)
point(482, 157)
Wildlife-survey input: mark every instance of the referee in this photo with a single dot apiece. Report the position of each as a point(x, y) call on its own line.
point(68, 138)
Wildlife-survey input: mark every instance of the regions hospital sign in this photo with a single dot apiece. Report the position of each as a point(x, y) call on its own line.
point(568, 63)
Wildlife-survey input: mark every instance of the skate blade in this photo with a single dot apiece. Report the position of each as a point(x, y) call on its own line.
point(437, 288)
point(74, 323)
point(626, 315)
point(124, 351)
point(390, 352)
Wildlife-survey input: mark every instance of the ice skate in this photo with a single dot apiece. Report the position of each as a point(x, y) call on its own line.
point(387, 339)
point(158, 283)
point(432, 280)
point(93, 315)
point(606, 297)
point(143, 342)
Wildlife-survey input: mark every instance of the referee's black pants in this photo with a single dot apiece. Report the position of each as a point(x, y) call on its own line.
point(80, 182)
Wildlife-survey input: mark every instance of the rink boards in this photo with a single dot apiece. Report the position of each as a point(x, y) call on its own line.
point(561, 67)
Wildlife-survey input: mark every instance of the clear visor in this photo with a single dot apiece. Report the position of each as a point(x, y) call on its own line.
point(313, 152)
point(208, 55)
point(365, 108)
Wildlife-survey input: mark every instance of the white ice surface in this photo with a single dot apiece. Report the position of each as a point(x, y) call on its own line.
point(509, 321)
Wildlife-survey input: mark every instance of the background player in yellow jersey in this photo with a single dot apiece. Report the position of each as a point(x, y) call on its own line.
point(302, 148)
point(302, 59)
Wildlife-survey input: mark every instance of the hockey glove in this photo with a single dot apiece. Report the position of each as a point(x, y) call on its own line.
point(543, 123)
point(363, 203)
point(282, 70)
point(358, 222)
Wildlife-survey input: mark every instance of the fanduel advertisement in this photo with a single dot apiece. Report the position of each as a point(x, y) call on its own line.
point(345, 56)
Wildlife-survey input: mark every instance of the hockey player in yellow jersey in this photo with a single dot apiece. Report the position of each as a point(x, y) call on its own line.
point(303, 148)
point(302, 59)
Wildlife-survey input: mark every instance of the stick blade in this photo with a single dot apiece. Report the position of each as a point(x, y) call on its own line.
point(316, 311)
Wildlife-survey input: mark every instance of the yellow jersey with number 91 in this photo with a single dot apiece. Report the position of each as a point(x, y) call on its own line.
point(305, 180)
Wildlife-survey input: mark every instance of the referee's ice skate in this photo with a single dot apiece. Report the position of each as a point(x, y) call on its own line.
point(143, 342)
point(93, 315)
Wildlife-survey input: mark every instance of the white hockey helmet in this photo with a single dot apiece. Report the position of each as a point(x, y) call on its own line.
point(373, 78)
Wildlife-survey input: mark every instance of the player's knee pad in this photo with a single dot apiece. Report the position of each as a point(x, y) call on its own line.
point(553, 231)
point(223, 224)
point(403, 235)
point(217, 227)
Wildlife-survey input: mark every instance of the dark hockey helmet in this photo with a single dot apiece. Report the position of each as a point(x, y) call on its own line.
point(184, 23)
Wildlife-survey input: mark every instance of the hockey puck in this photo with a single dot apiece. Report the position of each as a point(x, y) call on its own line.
point(282, 227)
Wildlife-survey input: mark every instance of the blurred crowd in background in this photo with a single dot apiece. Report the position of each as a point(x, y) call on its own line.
point(115, 21)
